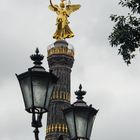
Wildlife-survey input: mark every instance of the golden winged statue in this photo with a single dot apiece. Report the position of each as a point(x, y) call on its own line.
point(63, 11)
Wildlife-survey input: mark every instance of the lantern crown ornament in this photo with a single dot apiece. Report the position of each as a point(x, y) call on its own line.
point(80, 93)
point(37, 58)
point(80, 117)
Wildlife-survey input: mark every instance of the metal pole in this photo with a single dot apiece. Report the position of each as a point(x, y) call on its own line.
point(36, 132)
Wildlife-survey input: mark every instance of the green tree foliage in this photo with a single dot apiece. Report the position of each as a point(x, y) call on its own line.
point(126, 32)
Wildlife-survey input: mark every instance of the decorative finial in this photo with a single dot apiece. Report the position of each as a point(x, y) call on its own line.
point(63, 11)
point(37, 51)
point(80, 93)
point(80, 87)
point(37, 58)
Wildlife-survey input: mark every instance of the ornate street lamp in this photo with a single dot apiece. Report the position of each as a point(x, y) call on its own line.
point(36, 86)
point(80, 117)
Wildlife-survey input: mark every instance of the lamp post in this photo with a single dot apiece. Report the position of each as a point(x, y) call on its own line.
point(36, 85)
point(80, 117)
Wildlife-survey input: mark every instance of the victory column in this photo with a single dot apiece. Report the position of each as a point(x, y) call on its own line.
point(60, 60)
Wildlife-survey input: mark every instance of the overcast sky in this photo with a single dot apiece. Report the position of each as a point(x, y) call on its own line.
point(111, 86)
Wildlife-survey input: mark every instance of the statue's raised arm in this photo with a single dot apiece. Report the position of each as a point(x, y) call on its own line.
point(53, 7)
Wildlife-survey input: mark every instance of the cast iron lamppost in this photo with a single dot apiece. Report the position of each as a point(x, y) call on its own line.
point(36, 86)
point(80, 117)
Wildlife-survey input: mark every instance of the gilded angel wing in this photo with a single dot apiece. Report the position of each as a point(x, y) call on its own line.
point(72, 8)
point(53, 8)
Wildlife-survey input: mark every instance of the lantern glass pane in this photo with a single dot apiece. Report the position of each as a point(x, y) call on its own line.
point(25, 85)
point(81, 122)
point(39, 90)
point(70, 122)
point(90, 125)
